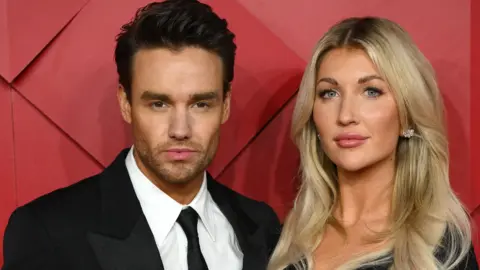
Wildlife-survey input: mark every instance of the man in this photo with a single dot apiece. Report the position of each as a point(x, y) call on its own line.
point(155, 207)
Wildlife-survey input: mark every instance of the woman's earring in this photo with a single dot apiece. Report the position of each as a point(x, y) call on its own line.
point(408, 133)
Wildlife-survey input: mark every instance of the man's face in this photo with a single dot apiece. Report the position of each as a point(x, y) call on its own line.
point(177, 107)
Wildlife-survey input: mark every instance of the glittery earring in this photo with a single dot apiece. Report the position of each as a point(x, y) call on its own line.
point(408, 133)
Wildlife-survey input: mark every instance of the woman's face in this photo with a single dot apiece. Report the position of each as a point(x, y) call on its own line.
point(355, 112)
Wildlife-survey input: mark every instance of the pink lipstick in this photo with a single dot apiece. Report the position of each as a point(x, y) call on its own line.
point(350, 140)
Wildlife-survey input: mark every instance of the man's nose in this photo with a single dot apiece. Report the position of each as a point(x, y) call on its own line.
point(180, 125)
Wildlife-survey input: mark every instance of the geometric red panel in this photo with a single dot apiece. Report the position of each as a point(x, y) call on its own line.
point(4, 54)
point(300, 25)
point(46, 158)
point(459, 148)
point(267, 169)
point(28, 27)
point(475, 102)
point(7, 172)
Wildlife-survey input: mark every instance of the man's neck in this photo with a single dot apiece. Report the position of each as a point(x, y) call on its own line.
point(182, 193)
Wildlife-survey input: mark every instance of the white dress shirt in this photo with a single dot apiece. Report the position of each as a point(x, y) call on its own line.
point(218, 242)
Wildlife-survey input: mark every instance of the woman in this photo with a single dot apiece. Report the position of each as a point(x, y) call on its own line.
point(375, 190)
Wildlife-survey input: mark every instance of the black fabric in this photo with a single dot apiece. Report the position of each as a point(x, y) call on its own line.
point(468, 263)
point(98, 224)
point(188, 220)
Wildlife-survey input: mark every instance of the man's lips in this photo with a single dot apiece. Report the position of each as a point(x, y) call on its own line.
point(179, 154)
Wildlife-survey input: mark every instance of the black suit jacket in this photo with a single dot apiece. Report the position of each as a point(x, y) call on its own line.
point(98, 224)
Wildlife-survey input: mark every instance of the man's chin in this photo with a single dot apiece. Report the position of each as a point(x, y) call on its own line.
point(181, 176)
point(179, 182)
point(179, 172)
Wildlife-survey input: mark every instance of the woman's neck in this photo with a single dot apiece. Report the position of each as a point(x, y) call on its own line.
point(365, 195)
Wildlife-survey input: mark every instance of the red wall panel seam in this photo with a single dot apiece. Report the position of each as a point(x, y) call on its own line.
point(294, 94)
point(58, 127)
point(10, 88)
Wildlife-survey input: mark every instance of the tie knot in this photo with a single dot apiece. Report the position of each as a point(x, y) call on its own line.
point(188, 221)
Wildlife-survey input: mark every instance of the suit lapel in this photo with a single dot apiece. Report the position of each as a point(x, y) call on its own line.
point(137, 251)
point(122, 240)
point(250, 239)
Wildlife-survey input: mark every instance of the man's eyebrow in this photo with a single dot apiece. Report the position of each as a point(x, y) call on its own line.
point(205, 96)
point(149, 95)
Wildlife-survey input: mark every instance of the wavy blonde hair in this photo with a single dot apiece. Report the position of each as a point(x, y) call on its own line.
point(425, 213)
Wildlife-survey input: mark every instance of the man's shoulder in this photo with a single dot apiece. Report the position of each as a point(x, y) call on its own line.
point(251, 211)
point(233, 194)
point(71, 200)
point(256, 209)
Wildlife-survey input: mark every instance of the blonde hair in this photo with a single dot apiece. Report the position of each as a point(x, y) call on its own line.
point(426, 213)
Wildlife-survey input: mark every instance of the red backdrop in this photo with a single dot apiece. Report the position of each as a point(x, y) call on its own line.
point(61, 122)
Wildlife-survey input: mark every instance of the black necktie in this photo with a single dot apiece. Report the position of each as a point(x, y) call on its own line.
point(188, 220)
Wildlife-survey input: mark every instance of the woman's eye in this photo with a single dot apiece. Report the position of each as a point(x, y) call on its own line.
point(328, 94)
point(373, 92)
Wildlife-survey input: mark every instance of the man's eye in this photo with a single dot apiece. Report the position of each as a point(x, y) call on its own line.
point(201, 105)
point(157, 105)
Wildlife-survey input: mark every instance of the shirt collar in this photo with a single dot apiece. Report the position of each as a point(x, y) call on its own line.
point(160, 209)
point(202, 203)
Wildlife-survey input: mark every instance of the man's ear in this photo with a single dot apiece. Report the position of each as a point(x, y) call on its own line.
point(226, 107)
point(125, 106)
